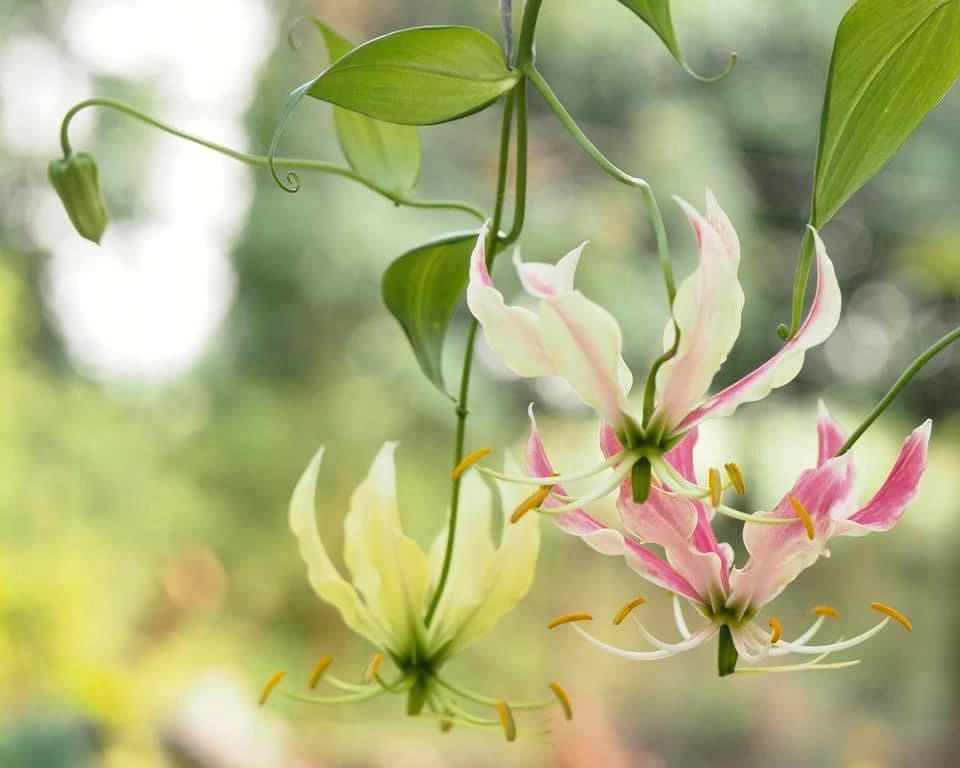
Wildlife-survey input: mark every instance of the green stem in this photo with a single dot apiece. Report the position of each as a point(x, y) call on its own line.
point(261, 161)
point(528, 25)
point(904, 379)
point(520, 171)
point(493, 241)
point(800, 277)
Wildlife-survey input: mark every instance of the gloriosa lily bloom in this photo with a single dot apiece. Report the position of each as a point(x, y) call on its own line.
point(699, 569)
point(572, 337)
point(393, 580)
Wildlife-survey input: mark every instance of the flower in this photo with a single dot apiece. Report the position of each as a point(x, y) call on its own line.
point(572, 337)
point(393, 581)
point(699, 569)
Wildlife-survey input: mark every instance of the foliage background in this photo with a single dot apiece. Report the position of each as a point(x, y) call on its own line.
point(161, 395)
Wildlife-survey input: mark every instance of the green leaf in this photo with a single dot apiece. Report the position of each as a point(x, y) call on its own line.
point(422, 288)
point(656, 14)
point(418, 76)
point(386, 153)
point(892, 62)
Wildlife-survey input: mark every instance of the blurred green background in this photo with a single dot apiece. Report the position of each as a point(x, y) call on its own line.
point(162, 393)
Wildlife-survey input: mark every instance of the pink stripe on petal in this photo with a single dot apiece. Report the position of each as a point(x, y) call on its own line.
point(609, 442)
point(680, 456)
point(478, 261)
point(830, 435)
point(537, 462)
point(784, 365)
point(898, 490)
point(543, 280)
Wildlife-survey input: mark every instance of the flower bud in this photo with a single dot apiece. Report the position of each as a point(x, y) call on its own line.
point(75, 179)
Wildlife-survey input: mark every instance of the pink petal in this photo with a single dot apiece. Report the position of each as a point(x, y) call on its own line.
point(538, 464)
point(898, 490)
point(681, 456)
point(786, 363)
point(609, 442)
point(830, 435)
point(512, 332)
point(543, 280)
point(707, 311)
point(778, 553)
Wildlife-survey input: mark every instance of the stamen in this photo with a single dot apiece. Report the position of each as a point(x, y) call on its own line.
point(506, 720)
point(469, 459)
point(893, 613)
point(776, 630)
point(713, 478)
point(803, 515)
point(373, 667)
point(272, 683)
point(625, 611)
point(532, 501)
point(826, 610)
point(736, 477)
point(564, 700)
point(317, 670)
point(568, 618)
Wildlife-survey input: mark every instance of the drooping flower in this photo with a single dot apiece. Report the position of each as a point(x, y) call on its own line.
point(393, 580)
point(576, 339)
point(698, 568)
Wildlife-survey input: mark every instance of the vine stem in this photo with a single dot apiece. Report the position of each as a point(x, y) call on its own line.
point(900, 383)
point(259, 161)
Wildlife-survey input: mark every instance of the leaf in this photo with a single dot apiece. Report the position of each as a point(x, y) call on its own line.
point(656, 15)
point(422, 288)
point(418, 76)
point(892, 62)
point(386, 153)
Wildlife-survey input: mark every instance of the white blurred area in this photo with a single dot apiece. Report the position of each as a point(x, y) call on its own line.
point(146, 303)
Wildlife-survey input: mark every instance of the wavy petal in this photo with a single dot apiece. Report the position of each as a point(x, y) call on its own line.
point(512, 332)
point(585, 344)
point(331, 587)
point(389, 569)
point(778, 553)
point(887, 504)
point(830, 435)
point(543, 280)
point(707, 311)
point(786, 363)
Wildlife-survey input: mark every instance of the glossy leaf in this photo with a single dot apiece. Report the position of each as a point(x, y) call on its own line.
point(656, 14)
point(422, 288)
point(386, 153)
point(418, 76)
point(892, 62)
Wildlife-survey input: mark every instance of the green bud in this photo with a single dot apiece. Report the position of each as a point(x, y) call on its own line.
point(75, 179)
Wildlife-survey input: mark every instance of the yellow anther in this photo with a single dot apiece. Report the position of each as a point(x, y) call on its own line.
point(826, 610)
point(736, 477)
point(713, 479)
point(532, 501)
point(625, 611)
point(562, 697)
point(506, 720)
point(317, 670)
point(776, 630)
point(893, 613)
point(272, 683)
point(373, 667)
point(803, 515)
point(470, 458)
point(567, 618)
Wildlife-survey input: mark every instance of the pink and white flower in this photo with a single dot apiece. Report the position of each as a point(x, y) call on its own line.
point(698, 568)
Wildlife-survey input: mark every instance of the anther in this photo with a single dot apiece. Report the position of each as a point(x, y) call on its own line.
point(826, 610)
point(470, 458)
point(272, 683)
point(776, 630)
point(713, 479)
point(562, 697)
point(567, 618)
point(317, 670)
point(803, 515)
point(893, 613)
point(506, 720)
point(625, 611)
point(736, 477)
point(532, 501)
point(373, 667)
